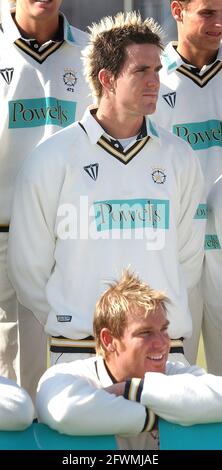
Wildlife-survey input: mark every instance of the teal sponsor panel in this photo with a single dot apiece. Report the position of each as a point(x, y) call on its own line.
point(172, 66)
point(131, 214)
point(40, 437)
point(200, 135)
point(201, 212)
point(168, 61)
point(212, 242)
point(41, 112)
point(196, 437)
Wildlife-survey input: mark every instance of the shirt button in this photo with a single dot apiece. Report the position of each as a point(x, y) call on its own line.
point(36, 46)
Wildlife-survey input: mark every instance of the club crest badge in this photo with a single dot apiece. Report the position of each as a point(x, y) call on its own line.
point(70, 79)
point(158, 175)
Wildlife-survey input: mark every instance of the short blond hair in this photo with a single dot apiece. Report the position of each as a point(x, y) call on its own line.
point(115, 305)
point(108, 41)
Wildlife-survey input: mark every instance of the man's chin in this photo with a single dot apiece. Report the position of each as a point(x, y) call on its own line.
point(157, 367)
point(151, 109)
point(161, 370)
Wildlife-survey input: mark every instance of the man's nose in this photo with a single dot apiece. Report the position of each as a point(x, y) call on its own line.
point(160, 340)
point(218, 20)
point(154, 81)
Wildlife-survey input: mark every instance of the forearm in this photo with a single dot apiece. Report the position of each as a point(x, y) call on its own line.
point(72, 405)
point(16, 408)
point(180, 398)
point(30, 249)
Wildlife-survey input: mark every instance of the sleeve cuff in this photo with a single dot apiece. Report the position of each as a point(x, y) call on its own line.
point(150, 421)
point(133, 389)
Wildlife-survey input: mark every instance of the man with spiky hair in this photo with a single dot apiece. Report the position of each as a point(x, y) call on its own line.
point(42, 89)
point(132, 345)
point(190, 105)
point(123, 192)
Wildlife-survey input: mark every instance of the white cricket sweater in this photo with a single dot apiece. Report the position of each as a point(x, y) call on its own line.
point(71, 400)
point(82, 214)
point(190, 105)
point(212, 269)
point(16, 407)
point(41, 91)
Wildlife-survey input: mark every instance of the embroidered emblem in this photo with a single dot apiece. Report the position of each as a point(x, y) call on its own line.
point(70, 79)
point(170, 99)
point(159, 175)
point(64, 318)
point(92, 170)
point(7, 74)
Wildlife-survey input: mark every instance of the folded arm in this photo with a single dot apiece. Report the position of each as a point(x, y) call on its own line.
point(16, 408)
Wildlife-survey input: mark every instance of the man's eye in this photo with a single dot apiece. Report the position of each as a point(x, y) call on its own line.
point(207, 13)
point(165, 330)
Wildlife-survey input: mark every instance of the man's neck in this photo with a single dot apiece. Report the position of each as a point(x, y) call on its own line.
point(194, 56)
point(113, 371)
point(42, 31)
point(116, 124)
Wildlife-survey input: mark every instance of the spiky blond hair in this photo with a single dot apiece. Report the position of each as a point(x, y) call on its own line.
point(124, 297)
point(183, 1)
point(108, 41)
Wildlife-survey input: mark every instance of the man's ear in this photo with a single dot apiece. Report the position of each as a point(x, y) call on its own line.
point(107, 340)
point(177, 10)
point(106, 80)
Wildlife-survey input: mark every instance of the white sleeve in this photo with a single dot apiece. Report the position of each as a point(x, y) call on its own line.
point(31, 237)
point(215, 198)
point(183, 398)
point(16, 408)
point(72, 404)
point(191, 231)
